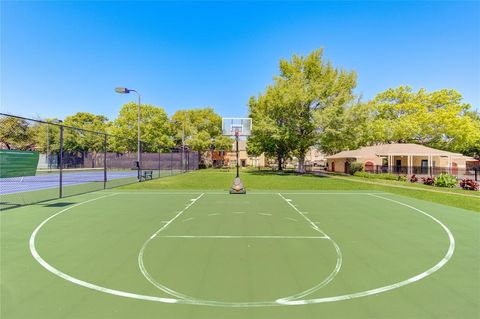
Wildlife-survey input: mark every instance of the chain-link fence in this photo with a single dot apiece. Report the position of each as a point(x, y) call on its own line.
point(40, 161)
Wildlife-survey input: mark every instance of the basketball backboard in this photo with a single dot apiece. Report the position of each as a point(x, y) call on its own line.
point(236, 126)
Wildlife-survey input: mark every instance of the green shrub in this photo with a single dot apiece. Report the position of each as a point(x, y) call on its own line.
point(361, 174)
point(445, 180)
point(355, 167)
point(387, 176)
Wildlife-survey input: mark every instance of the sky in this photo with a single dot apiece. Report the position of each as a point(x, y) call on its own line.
point(63, 57)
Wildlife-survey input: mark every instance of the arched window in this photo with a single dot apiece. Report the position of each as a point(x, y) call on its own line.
point(454, 168)
point(369, 166)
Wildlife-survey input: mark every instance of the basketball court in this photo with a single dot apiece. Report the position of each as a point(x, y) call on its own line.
point(134, 254)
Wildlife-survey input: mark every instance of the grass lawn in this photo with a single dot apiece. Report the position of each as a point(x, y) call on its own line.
point(215, 179)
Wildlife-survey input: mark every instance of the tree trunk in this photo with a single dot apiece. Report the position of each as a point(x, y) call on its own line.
point(301, 164)
point(279, 160)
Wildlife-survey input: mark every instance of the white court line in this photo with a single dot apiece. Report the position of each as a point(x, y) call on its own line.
point(289, 202)
point(213, 214)
point(279, 302)
point(186, 220)
point(79, 282)
point(141, 264)
point(428, 272)
point(336, 193)
point(153, 193)
point(330, 277)
point(292, 219)
point(240, 237)
point(265, 214)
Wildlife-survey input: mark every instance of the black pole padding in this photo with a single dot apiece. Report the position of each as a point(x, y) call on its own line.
point(137, 163)
point(236, 140)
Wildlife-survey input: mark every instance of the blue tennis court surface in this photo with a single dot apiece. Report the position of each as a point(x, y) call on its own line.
point(12, 185)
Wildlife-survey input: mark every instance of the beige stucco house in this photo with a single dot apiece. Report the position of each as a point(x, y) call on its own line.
point(244, 158)
point(404, 159)
point(315, 157)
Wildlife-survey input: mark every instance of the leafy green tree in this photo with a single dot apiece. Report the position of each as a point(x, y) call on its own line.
point(269, 133)
point(437, 119)
point(16, 133)
point(46, 136)
point(155, 129)
point(473, 148)
point(85, 139)
point(223, 143)
point(308, 99)
point(200, 127)
point(312, 87)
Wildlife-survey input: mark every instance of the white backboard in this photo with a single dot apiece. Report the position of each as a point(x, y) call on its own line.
point(236, 126)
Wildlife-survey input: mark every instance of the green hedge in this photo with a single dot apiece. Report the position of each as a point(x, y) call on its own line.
point(388, 176)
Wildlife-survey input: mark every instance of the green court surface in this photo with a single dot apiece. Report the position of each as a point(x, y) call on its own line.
point(275, 254)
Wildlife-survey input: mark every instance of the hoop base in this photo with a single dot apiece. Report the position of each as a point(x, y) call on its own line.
point(237, 187)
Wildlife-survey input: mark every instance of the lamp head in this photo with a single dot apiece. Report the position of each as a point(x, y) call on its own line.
point(122, 90)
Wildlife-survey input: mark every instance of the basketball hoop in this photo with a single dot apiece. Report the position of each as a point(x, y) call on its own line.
point(237, 127)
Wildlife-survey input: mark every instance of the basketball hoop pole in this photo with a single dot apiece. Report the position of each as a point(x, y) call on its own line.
point(237, 127)
point(236, 141)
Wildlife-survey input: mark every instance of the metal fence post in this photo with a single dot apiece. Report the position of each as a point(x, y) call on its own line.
point(61, 163)
point(105, 162)
point(171, 162)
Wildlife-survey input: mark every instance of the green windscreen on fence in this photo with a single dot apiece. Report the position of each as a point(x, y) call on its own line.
point(14, 163)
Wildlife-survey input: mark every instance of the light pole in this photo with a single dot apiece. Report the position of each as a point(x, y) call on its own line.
point(122, 90)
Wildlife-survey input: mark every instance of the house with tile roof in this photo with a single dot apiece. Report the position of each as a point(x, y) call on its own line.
point(405, 159)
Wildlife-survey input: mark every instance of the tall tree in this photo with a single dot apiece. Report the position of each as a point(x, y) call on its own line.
point(85, 139)
point(155, 129)
point(199, 128)
point(223, 143)
point(269, 133)
point(16, 133)
point(437, 119)
point(46, 136)
point(307, 93)
point(473, 149)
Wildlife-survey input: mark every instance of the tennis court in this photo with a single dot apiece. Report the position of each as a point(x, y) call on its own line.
point(276, 254)
point(50, 179)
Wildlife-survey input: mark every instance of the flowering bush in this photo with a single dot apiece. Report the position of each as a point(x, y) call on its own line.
point(428, 181)
point(469, 184)
point(413, 179)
